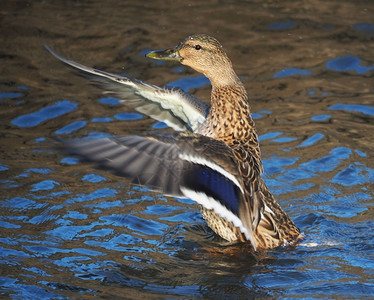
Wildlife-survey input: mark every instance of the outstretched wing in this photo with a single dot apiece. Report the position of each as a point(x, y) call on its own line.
point(176, 108)
point(176, 164)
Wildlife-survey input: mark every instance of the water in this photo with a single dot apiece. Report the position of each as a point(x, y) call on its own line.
point(69, 230)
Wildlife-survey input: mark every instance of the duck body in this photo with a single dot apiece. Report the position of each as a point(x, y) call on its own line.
point(215, 160)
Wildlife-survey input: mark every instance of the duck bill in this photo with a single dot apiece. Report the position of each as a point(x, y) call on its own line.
point(171, 54)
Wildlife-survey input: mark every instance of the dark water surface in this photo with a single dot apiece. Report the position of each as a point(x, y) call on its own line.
point(69, 230)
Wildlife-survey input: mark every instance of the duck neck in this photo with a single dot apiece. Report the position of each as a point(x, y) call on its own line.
point(229, 117)
point(230, 113)
point(230, 121)
point(223, 75)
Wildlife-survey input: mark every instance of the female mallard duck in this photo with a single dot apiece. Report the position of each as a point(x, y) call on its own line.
point(215, 161)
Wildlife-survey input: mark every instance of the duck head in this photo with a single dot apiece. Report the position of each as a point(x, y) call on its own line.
point(204, 54)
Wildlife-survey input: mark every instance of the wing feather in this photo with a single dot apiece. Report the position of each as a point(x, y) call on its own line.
point(173, 164)
point(176, 108)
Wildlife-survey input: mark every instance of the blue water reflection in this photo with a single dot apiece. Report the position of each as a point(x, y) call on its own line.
point(284, 139)
point(348, 63)
point(159, 125)
point(353, 175)
point(69, 160)
point(365, 109)
point(27, 291)
point(290, 72)
point(98, 207)
point(36, 170)
point(44, 185)
point(71, 127)
point(100, 193)
point(189, 82)
point(366, 28)
point(3, 167)
point(93, 178)
point(102, 120)
point(135, 223)
point(53, 111)
point(282, 25)
point(311, 140)
point(110, 101)
point(362, 154)
point(9, 95)
point(128, 116)
point(321, 118)
point(329, 162)
point(269, 135)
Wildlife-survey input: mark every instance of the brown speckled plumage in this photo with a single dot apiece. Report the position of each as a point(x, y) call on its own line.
point(230, 121)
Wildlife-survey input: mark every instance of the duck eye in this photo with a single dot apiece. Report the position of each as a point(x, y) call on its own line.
point(197, 47)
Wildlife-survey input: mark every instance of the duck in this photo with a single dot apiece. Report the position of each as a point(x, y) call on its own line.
point(213, 155)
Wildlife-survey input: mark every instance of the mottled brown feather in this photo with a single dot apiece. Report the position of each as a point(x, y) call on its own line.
point(230, 121)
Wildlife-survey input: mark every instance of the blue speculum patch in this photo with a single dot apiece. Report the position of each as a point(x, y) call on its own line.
point(215, 185)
